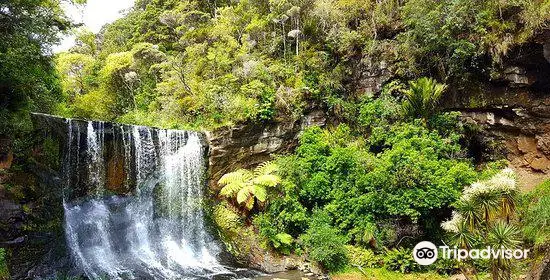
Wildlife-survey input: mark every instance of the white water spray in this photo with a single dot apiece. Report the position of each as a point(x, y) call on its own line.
point(157, 233)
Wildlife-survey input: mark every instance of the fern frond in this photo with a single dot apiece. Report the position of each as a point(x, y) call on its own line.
point(259, 192)
point(264, 168)
point(239, 176)
point(243, 194)
point(267, 180)
point(230, 189)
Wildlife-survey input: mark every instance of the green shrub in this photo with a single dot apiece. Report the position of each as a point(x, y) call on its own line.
point(381, 111)
point(400, 260)
point(402, 171)
point(446, 266)
point(416, 170)
point(536, 221)
point(4, 273)
point(325, 244)
point(361, 257)
point(268, 230)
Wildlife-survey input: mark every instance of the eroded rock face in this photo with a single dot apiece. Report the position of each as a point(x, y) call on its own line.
point(524, 136)
point(247, 145)
point(512, 109)
point(373, 74)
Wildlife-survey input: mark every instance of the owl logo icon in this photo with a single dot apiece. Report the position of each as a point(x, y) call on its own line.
point(425, 253)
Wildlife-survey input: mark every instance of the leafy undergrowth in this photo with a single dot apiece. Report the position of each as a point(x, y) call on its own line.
point(383, 274)
point(4, 274)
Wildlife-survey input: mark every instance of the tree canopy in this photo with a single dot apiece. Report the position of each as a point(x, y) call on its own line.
point(28, 80)
point(206, 64)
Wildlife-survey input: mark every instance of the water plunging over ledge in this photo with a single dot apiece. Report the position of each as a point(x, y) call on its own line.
point(157, 231)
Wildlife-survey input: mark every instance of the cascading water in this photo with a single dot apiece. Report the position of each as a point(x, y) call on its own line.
point(156, 233)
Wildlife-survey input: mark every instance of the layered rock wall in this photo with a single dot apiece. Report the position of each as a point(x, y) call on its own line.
point(513, 110)
point(247, 145)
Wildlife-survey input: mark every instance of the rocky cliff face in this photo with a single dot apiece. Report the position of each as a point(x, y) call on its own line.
point(513, 110)
point(511, 107)
point(76, 132)
point(247, 145)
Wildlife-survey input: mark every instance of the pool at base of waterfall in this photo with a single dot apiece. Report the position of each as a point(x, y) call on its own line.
point(112, 238)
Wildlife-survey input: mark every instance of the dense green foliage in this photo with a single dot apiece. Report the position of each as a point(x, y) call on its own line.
point(400, 260)
point(188, 63)
point(361, 257)
point(28, 80)
point(537, 215)
point(327, 245)
point(464, 34)
point(4, 273)
point(412, 176)
point(372, 185)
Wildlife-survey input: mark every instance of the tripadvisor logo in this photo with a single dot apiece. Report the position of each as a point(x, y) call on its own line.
point(426, 253)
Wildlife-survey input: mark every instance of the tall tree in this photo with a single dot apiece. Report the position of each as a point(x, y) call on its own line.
point(28, 29)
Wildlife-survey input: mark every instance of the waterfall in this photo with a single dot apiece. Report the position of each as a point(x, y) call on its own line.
point(157, 231)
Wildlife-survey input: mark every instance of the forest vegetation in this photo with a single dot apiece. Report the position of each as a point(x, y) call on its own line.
point(394, 168)
point(210, 63)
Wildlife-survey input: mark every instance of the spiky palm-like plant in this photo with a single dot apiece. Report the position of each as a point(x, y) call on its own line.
point(488, 203)
point(484, 216)
point(507, 206)
point(423, 97)
point(248, 186)
point(463, 237)
point(505, 236)
point(470, 213)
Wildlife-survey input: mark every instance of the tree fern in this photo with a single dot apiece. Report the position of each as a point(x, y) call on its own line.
point(246, 187)
point(234, 181)
point(243, 195)
point(239, 176)
point(230, 189)
point(259, 192)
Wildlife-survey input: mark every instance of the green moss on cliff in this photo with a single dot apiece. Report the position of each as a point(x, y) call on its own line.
point(4, 274)
point(237, 237)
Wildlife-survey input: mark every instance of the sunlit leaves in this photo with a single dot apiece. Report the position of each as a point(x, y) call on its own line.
point(247, 186)
point(423, 98)
point(77, 73)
